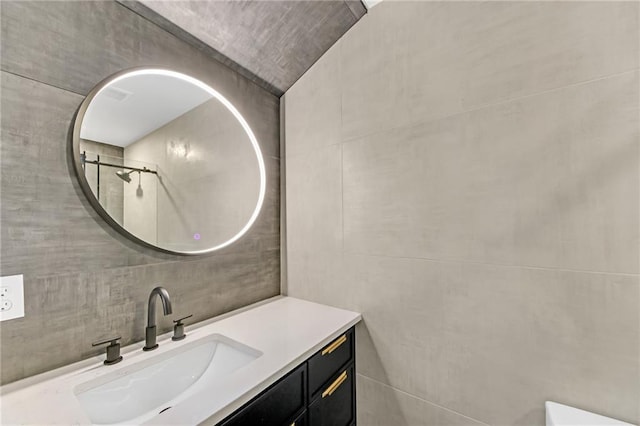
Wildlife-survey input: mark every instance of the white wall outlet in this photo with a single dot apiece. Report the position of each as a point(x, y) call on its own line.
point(11, 297)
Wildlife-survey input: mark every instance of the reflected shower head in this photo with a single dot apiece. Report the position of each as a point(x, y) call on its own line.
point(125, 176)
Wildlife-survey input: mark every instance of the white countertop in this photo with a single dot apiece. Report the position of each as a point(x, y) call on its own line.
point(286, 330)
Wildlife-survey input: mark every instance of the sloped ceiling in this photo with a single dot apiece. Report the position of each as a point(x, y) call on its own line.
point(271, 42)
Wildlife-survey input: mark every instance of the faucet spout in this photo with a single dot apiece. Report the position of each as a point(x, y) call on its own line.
point(166, 304)
point(150, 331)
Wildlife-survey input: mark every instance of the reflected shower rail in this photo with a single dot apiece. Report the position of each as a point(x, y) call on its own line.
point(83, 158)
point(120, 174)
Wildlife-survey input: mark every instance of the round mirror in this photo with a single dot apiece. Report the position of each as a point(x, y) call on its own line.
point(168, 161)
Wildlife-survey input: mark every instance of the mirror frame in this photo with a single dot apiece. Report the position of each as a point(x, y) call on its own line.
point(88, 192)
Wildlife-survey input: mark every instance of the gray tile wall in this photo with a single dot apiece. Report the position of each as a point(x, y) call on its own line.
point(271, 42)
point(84, 281)
point(467, 175)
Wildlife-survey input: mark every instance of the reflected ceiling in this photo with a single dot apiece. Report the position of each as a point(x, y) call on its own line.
point(136, 107)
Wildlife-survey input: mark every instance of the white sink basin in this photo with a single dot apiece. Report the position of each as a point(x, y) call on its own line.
point(136, 393)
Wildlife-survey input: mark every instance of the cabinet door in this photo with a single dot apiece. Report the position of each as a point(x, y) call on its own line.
point(324, 364)
point(275, 406)
point(301, 420)
point(335, 406)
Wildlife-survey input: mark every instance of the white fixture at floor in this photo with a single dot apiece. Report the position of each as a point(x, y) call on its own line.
point(563, 415)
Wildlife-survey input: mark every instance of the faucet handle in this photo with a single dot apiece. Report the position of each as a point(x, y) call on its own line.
point(182, 319)
point(113, 350)
point(113, 341)
point(178, 329)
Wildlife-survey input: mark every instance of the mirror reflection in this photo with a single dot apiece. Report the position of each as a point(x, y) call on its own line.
point(168, 161)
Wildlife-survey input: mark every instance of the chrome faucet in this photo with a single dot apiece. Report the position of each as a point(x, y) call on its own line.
point(150, 331)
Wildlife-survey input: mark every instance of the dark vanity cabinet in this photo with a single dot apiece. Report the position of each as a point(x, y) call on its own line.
point(319, 392)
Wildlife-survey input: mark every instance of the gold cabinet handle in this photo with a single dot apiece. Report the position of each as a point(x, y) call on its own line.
point(332, 347)
point(335, 385)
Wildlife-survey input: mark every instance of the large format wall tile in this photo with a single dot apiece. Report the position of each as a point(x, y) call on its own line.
point(414, 61)
point(495, 342)
point(549, 180)
point(314, 200)
point(82, 279)
point(382, 405)
point(374, 56)
point(318, 275)
point(313, 106)
point(491, 212)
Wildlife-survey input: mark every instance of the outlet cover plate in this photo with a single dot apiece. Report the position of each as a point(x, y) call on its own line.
point(11, 297)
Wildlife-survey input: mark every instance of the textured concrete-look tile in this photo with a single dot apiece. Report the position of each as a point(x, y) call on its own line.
point(412, 61)
point(71, 45)
point(548, 180)
point(495, 342)
point(83, 280)
point(260, 110)
point(69, 312)
point(265, 232)
point(314, 200)
point(276, 40)
point(313, 107)
point(74, 45)
point(46, 225)
point(382, 405)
